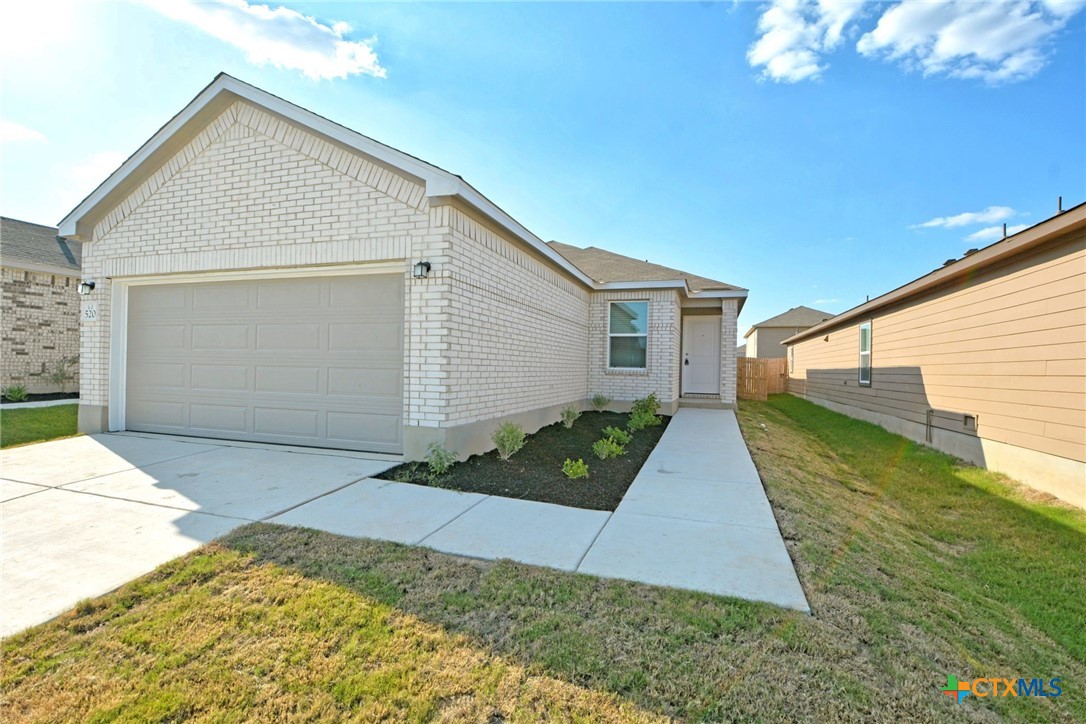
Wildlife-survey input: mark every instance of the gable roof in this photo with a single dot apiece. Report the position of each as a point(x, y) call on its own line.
point(24, 245)
point(797, 317)
point(224, 90)
point(1065, 222)
point(606, 267)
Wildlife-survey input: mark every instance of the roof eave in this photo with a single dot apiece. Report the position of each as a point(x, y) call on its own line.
point(1044, 231)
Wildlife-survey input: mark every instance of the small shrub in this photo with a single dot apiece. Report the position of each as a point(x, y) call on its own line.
point(643, 413)
point(648, 405)
point(620, 436)
point(15, 393)
point(606, 447)
point(600, 402)
point(438, 459)
point(569, 416)
point(508, 438)
point(575, 469)
point(64, 372)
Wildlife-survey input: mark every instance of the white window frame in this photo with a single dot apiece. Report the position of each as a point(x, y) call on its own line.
point(611, 334)
point(865, 355)
point(791, 358)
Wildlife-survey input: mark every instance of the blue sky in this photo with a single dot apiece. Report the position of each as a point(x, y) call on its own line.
point(814, 152)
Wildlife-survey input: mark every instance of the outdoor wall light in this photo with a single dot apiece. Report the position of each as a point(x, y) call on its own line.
point(86, 287)
point(422, 269)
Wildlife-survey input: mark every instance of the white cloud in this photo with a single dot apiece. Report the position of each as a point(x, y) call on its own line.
point(820, 302)
point(795, 34)
point(1001, 41)
point(994, 233)
point(12, 132)
point(987, 216)
point(997, 42)
point(278, 36)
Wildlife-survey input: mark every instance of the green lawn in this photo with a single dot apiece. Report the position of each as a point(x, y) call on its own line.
point(36, 424)
point(915, 568)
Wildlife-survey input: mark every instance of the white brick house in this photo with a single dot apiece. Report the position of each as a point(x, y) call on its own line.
point(254, 267)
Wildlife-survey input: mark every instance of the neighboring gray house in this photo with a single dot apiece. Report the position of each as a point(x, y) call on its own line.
point(265, 274)
point(39, 276)
point(764, 339)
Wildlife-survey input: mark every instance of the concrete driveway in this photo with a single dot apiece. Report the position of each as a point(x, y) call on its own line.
point(85, 515)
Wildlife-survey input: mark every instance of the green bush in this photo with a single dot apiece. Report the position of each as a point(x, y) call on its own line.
point(569, 416)
point(64, 372)
point(574, 470)
point(600, 402)
point(438, 459)
point(649, 405)
point(643, 413)
point(606, 447)
point(508, 438)
point(15, 393)
point(620, 436)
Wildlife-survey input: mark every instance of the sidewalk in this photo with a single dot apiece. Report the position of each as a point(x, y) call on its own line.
point(696, 517)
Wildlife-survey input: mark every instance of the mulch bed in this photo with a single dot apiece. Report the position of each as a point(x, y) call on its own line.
point(535, 472)
point(43, 398)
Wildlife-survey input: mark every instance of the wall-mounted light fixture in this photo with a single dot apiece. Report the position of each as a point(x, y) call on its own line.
point(86, 287)
point(422, 269)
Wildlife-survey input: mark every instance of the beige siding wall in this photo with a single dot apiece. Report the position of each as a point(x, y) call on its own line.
point(766, 341)
point(40, 329)
point(661, 374)
point(1007, 346)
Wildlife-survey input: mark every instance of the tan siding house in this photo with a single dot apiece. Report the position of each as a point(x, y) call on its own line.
point(984, 358)
point(265, 274)
point(765, 339)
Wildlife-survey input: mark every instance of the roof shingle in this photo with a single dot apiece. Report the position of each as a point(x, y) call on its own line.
point(23, 242)
point(606, 266)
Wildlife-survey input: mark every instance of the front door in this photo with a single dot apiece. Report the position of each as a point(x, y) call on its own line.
point(701, 356)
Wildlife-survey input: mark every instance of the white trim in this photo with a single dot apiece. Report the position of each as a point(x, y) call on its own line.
point(118, 318)
point(870, 343)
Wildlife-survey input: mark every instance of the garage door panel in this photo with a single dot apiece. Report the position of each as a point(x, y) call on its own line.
point(270, 337)
point(157, 337)
point(288, 379)
point(280, 421)
point(355, 427)
point(218, 418)
point(220, 297)
point(295, 295)
point(219, 377)
point(301, 361)
point(220, 336)
point(369, 382)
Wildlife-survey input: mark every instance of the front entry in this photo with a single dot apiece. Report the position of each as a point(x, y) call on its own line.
point(701, 356)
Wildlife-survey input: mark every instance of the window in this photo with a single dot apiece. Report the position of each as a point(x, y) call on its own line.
point(791, 358)
point(628, 334)
point(865, 354)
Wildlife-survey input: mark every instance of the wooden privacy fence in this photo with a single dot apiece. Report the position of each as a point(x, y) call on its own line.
point(759, 378)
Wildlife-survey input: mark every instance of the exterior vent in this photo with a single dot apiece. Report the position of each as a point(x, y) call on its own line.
point(970, 251)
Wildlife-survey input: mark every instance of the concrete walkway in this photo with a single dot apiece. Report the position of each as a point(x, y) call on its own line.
point(84, 515)
point(696, 517)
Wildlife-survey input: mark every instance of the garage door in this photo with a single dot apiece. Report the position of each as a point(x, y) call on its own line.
point(306, 361)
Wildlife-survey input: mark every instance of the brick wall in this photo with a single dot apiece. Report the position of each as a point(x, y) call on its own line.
point(40, 328)
point(518, 329)
point(661, 374)
point(729, 352)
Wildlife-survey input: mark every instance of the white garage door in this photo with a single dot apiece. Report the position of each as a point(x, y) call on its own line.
point(305, 361)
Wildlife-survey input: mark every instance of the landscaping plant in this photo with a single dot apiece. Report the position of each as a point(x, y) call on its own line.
point(15, 393)
point(618, 434)
point(64, 372)
point(569, 416)
point(600, 402)
point(575, 469)
point(643, 413)
point(439, 459)
point(606, 447)
point(508, 438)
